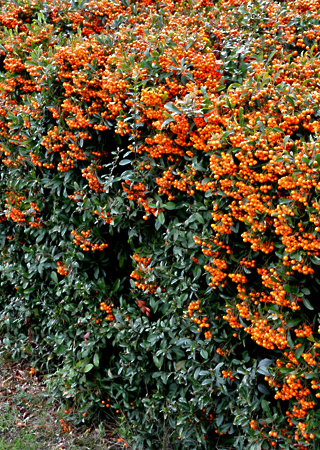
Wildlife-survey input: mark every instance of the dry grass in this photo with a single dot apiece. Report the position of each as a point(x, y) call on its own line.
point(27, 422)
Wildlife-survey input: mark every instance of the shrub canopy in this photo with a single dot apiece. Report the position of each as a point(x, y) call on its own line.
point(159, 214)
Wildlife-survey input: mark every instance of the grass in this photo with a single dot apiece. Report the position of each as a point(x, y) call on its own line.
point(27, 422)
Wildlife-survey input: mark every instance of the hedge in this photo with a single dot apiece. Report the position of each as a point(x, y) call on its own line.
point(159, 215)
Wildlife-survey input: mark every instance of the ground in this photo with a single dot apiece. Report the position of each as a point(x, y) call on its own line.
point(28, 422)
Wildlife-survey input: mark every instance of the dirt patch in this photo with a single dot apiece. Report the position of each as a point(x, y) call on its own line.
point(28, 422)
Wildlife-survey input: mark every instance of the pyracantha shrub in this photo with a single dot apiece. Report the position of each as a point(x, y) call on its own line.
point(159, 215)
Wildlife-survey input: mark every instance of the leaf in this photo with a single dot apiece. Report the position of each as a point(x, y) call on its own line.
point(116, 285)
point(181, 364)
point(266, 407)
point(157, 361)
point(88, 368)
point(207, 381)
point(271, 56)
point(299, 351)
point(293, 323)
point(307, 304)
point(263, 389)
point(124, 162)
point(173, 59)
point(305, 291)
point(196, 272)
point(315, 260)
point(200, 218)
point(220, 420)
point(276, 75)
point(277, 129)
point(96, 360)
point(172, 108)
point(165, 123)
point(170, 205)
point(290, 289)
point(261, 126)
point(289, 340)
point(164, 97)
point(285, 141)
point(161, 217)
point(54, 277)
point(220, 88)
point(241, 116)
point(290, 100)
point(157, 225)
point(204, 354)
point(262, 366)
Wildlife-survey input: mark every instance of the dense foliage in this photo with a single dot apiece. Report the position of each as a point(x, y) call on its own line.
point(159, 209)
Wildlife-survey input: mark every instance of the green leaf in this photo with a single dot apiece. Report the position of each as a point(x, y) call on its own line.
point(290, 289)
point(263, 389)
point(262, 366)
point(241, 116)
point(172, 108)
point(277, 129)
point(96, 360)
point(290, 100)
point(271, 56)
point(285, 141)
point(261, 126)
point(266, 408)
point(276, 75)
point(290, 341)
point(196, 272)
point(170, 205)
point(204, 354)
point(219, 420)
point(124, 162)
point(54, 277)
point(299, 351)
point(88, 368)
point(116, 285)
point(305, 291)
point(165, 123)
point(293, 323)
point(207, 381)
point(200, 218)
point(157, 361)
point(161, 217)
point(315, 260)
point(307, 304)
